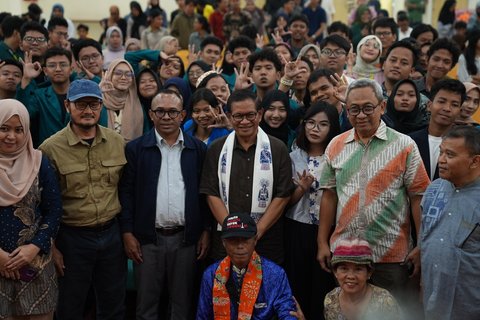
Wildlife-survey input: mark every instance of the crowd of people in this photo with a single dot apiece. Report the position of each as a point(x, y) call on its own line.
point(240, 163)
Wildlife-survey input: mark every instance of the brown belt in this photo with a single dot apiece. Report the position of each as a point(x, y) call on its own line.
point(170, 231)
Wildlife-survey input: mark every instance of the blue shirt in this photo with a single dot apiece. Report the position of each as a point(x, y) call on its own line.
point(315, 18)
point(450, 251)
point(274, 298)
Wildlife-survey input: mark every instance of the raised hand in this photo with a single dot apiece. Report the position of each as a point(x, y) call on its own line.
point(340, 88)
point(31, 70)
point(221, 119)
point(243, 80)
point(291, 68)
point(304, 180)
point(192, 56)
point(260, 41)
point(85, 70)
point(217, 69)
point(106, 84)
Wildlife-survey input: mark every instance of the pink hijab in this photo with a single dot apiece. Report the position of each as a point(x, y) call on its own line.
point(18, 169)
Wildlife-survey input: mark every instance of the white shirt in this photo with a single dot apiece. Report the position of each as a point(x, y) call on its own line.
point(434, 146)
point(171, 187)
point(402, 35)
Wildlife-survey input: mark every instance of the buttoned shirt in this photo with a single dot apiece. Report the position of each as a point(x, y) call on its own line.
point(450, 251)
point(373, 182)
point(88, 174)
point(171, 187)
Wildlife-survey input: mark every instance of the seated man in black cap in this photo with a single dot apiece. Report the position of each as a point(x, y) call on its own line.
point(244, 285)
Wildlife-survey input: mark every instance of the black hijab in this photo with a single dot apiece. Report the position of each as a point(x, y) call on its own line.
point(406, 122)
point(140, 20)
point(447, 16)
point(282, 131)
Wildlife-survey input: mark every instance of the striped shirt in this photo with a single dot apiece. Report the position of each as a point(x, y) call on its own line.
point(373, 182)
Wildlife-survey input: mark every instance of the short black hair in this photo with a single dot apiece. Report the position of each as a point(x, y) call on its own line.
point(190, 2)
point(57, 21)
point(11, 24)
point(241, 95)
point(83, 26)
point(470, 134)
point(211, 40)
point(267, 54)
point(79, 45)
point(12, 62)
point(320, 73)
point(402, 15)
point(460, 25)
point(53, 52)
point(249, 30)
point(386, 23)
point(205, 95)
point(336, 40)
point(241, 42)
point(407, 45)
point(450, 85)
point(422, 28)
point(298, 17)
point(155, 12)
point(448, 45)
point(339, 26)
point(332, 115)
point(33, 26)
point(203, 21)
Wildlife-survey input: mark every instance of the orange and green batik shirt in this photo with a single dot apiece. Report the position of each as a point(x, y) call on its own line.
point(373, 183)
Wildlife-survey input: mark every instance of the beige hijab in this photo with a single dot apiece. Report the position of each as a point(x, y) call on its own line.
point(19, 169)
point(127, 101)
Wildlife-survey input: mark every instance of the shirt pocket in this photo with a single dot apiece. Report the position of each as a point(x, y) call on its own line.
point(468, 237)
point(74, 180)
point(112, 171)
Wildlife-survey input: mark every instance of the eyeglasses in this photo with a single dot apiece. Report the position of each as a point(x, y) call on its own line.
point(238, 117)
point(336, 53)
point(62, 65)
point(383, 34)
point(30, 39)
point(367, 109)
point(87, 59)
point(172, 113)
point(82, 105)
point(62, 34)
point(196, 73)
point(126, 74)
point(311, 124)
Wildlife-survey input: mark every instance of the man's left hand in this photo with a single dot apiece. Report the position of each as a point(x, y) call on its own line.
point(203, 245)
point(414, 258)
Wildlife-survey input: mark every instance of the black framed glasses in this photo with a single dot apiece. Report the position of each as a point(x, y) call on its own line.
point(30, 39)
point(87, 59)
point(82, 105)
point(172, 113)
point(311, 124)
point(367, 109)
point(336, 53)
point(238, 117)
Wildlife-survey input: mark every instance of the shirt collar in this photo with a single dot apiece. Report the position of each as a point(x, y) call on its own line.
point(381, 133)
point(73, 139)
point(161, 141)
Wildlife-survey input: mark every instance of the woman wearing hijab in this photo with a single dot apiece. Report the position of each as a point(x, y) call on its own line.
point(148, 86)
point(115, 48)
point(180, 85)
point(276, 109)
point(125, 112)
point(446, 19)
point(137, 22)
point(367, 62)
point(470, 105)
point(361, 25)
point(403, 108)
point(30, 212)
point(194, 71)
point(59, 11)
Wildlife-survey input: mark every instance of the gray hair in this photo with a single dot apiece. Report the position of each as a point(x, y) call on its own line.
point(366, 83)
point(470, 134)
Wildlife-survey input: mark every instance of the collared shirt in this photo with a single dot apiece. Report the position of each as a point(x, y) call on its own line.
point(171, 187)
point(373, 182)
point(450, 247)
point(88, 174)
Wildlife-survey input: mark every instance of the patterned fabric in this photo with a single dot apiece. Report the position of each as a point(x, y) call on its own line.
point(251, 283)
point(315, 165)
point(372, 183)
point(450, 246)
point(352, 250)
point(382, 306)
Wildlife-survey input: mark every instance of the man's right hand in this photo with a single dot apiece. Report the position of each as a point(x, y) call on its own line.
point(324, 256)
point(132, 247)
point(58, 261)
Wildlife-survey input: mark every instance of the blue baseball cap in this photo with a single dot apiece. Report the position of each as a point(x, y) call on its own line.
point(83, 88)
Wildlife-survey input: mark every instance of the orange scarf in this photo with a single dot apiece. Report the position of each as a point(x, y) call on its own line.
point(248, 295)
